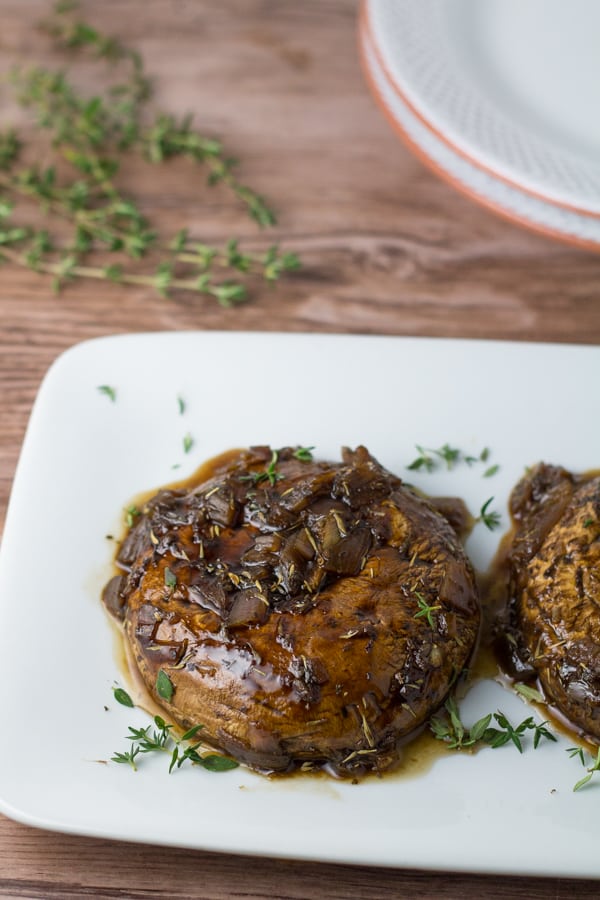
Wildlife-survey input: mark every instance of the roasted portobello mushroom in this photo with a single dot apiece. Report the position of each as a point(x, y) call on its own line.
point(305, 613)
point(553, 627)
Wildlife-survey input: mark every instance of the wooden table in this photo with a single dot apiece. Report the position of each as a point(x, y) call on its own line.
point(387, 248)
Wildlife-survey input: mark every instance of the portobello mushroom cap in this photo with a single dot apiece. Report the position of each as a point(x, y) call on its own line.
point(306, 613)
point(554, 591)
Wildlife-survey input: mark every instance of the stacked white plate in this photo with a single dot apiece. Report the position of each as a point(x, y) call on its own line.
point(501, 98)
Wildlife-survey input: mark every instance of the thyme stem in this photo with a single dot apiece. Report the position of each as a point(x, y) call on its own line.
point(227, 293)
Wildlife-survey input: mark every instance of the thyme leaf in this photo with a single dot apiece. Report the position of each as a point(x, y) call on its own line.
point(448, 727)
point(108, 391)
point(164, 685)
point(122, 697)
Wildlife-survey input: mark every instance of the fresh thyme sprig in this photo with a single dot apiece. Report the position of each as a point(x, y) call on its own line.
point(170, 578)
point(127, 756)
point(448, 727)
point(108, 391)
point(34, 247)
point(430, 459)
point(269, 473)
point(528, 692)
point(163, 138)
point(181, 750)
point(425, 610)
point(122, 697)
point(164, 685)
point(92, 134)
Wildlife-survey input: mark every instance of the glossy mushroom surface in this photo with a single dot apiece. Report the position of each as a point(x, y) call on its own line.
point(306, 613)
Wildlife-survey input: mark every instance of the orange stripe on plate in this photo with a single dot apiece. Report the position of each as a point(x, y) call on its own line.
point(366, 27)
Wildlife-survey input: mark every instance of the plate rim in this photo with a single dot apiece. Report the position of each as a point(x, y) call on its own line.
point(366, 45)
point(366, 16)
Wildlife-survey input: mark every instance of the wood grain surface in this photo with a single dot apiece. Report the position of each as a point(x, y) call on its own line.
point(386, 248)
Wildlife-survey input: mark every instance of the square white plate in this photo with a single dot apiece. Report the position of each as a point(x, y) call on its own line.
point(84, 457)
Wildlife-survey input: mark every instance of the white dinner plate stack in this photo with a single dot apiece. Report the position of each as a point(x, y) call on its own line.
point(501, 98)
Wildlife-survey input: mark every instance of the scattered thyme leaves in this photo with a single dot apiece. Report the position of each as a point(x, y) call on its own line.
point(188, 443)
point(491, 471)
point(269, 473)
point(128, 757)
point(429, 459)
point(181, 405)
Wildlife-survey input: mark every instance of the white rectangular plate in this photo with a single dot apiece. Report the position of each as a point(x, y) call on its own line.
point(84, 457)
